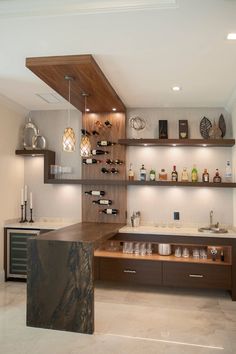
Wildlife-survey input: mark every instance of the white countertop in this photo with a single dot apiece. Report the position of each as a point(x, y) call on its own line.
point(178, 231)
point(42, 225)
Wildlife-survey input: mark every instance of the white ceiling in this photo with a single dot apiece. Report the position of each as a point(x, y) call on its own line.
point(143, 47)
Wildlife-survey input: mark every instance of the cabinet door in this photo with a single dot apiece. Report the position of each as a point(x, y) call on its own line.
point(197, 275)
point(131, 271)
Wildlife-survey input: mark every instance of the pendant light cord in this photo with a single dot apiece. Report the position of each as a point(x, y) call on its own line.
point(69, 106)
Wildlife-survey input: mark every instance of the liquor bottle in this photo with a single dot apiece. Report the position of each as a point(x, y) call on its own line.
point(90, 161)
point(174, 174)
point(105, 143)
point(114, 170)
point(217, 178)
point(97, 193)
point(99, 152)
point(130, 173)
point(109, 211)
point(194, 174)
point(105, 170)
point(102, 202)
point(152, 175)
point(184, 175)
point(228, 172)
point(163, 175)
point(205, 176)
point(143, 173)
point(108, 124)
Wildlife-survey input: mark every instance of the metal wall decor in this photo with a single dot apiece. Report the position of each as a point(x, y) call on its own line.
point(137, 123)
point(213, 131)
point(205, 126)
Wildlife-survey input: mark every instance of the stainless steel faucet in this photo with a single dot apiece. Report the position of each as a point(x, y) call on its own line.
point(211, 218)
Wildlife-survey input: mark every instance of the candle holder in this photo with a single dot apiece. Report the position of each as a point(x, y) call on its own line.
point(25, 218)
point(31, 214)
point(22, 212)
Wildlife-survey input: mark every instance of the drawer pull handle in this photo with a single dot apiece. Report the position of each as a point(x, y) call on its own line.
point(196, 275)
point(129, 271)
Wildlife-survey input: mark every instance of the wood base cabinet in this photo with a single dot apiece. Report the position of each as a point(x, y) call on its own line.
point(197, 275)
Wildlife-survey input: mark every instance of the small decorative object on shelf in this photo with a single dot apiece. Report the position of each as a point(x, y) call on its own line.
point(222, 125)
point(97, 193)
point(163, 129)
point(107, 124)
point(105, 143)
point(228, 172)
point(109, 211)
point(163, 175)
point(214, 254)
point(217, 178)
point(130, 173)
point(102, 201)
point(143, 174)
point(184, 175)
point(152, 175)
point(194, 174)
point(137, 123)
point(90, 161)
point(205, 176)
point(99, 152)
point(215, 132)
point(174, 175)
point(205, 126)
point(183, 129)
point(38, 142)
point(30, 130)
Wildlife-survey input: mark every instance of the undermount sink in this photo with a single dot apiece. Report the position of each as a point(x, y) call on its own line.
point(214, 230)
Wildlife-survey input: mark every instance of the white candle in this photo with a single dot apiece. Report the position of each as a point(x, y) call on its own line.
point(22, 197)
point(31, 200)
point(25, 193)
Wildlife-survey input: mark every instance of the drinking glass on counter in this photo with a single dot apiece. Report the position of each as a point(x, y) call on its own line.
point(149, 248)
point(143, 249)
point(178, 252)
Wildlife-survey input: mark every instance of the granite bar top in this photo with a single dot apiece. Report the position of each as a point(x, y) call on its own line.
point(83, 232)
point(174, 231)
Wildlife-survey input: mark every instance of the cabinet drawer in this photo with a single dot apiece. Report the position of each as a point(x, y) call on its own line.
point(197, 275)
point(132, 271)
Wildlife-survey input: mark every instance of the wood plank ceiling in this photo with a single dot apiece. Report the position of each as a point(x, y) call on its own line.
point(88, 78)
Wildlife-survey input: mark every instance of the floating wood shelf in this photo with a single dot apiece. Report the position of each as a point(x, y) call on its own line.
point(140, 183)
point(49, 159)
point(87, 75)
point(178, 142)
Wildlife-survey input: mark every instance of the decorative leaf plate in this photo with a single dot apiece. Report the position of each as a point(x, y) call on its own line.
point(205, 126)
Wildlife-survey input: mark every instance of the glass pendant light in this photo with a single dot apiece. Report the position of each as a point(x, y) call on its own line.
point(85, 145)
point(68, 140)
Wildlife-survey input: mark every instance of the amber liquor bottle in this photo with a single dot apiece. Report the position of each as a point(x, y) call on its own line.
point(174, 174)
point(205, 176)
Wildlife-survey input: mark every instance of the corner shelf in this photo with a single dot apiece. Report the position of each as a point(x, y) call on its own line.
point(178, 142)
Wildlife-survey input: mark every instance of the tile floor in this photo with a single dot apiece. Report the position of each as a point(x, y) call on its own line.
point(128, 320)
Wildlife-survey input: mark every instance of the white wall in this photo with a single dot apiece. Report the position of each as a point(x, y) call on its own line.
point(12, 166)
point(55, 201)
point(158, 203)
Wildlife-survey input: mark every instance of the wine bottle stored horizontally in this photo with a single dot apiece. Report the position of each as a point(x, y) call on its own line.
point(109, 211)
point(104, 170)
point(102, 201)
point(95, 132)
point(99, 152)
point(114, 162)
point(90, 161)
point(105, 143)
point(108, 124)
point(85, 132)
point(97, 193)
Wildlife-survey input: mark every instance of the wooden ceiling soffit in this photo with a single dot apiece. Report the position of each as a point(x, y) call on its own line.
point(88, 78)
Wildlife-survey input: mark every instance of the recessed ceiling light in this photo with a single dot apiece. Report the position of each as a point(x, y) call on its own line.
point(176, 88)
point(114, 109)
point(231, 36)
point(48, 97)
